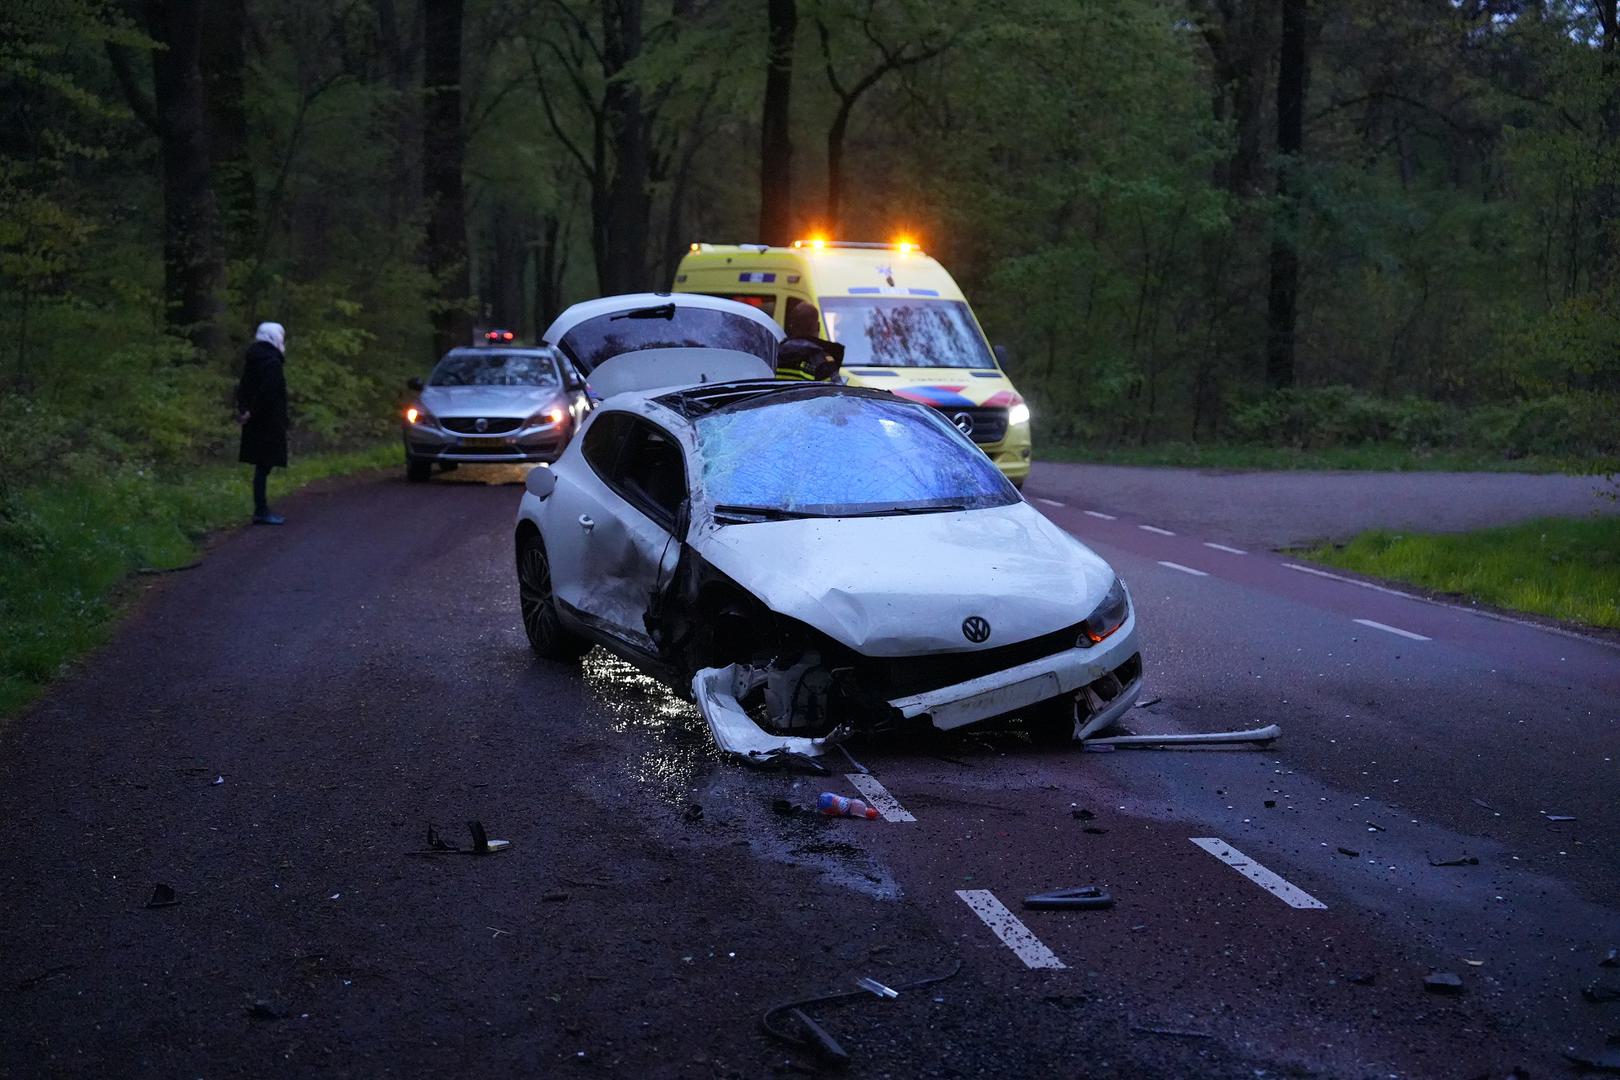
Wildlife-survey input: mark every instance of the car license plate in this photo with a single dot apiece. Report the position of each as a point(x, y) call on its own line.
point(1002, 699)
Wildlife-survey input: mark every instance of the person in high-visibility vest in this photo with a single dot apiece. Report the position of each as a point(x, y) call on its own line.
point(804, 355)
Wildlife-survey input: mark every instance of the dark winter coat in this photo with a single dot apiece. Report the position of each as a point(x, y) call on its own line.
point(262, 394)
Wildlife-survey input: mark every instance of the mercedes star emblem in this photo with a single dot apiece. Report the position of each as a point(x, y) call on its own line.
point(975, 629)
point(963, 422)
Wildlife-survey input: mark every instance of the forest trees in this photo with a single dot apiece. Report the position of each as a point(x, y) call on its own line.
point(1372, 220)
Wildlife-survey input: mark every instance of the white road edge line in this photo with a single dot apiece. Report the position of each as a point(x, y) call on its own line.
point(1393, 630)
point(1048, 502)
point(1155, 529)
point(1292, 895)
point(878, 797)
point(1006, 926)
point(1492, 615)
point(1099, 514)
point(1183, 569)
point(1223, 547)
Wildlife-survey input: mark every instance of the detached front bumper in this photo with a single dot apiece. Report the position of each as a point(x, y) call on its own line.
point(1105, 680)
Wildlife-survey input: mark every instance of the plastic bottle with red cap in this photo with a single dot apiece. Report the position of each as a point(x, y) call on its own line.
point(834, 805)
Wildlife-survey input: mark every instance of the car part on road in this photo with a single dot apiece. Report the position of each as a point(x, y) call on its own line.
point(1350, 852)
point(718, 691)
point(866, 982)
point(1175, 1033)
point(1263, 736)
point(1443, 982)
point(1461, 860)
point(1084, 898)
point(481, 843)
point(815, 1039)
point(162, 896)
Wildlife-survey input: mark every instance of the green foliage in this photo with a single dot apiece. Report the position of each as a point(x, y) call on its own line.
point(1562, 568)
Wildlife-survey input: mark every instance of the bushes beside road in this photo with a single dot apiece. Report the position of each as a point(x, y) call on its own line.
point(71, 544)
point(1563, 568)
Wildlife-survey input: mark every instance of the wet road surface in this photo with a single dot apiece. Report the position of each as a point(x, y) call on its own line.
point(272, 732)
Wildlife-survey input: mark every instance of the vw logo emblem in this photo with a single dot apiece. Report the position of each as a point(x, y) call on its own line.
point(481, 424)
point(963, 422)
point(975, 629)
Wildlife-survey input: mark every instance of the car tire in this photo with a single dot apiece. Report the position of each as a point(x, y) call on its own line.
point(1051, 722)
point(417, 470)
point(538, 606)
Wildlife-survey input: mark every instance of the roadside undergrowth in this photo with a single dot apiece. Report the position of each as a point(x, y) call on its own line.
point(1371, 457)
point(1564, 568)
point(70, 545)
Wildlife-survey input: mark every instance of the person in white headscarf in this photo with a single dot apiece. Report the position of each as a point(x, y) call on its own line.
point(261, 409)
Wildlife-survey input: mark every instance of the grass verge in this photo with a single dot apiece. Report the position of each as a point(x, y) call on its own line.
point(1565, 568)
point(1371, 457)
point(68, 546)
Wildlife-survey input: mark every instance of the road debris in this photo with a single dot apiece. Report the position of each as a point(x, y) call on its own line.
point(1361, 978)
point(1354, 854)
point(162, 896)
point(1271, 804)
point(218, 780)
point(1174, 1033)
point(263, 1010)
point(481, 843)
point(1443, 982)
point(1148, 701)
point(1262, 736)
point(1487, 806)
point(1081, 814)
point(1606, 1060)
point(1611, 960)
point(1474, 963)
point(1084, 898)
point(1374, 828)
point(1461, 860)
point(866, 982)
point(1601, 993)
point(1557, 817)
point(834, 805)
point(812, 1036)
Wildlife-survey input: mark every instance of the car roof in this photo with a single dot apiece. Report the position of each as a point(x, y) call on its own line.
point(832, 271)
point(608, 305)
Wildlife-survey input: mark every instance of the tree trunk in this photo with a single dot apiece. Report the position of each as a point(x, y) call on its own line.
point(443, 150)
point(835, 167)
point(628, 205)
point(193, 258)
point(775, 134)
point(548, 270)
point(1283, 298)
point(224, 56)
point(1606, 264)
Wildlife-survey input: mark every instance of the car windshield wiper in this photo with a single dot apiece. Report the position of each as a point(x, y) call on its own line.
point(949, 508)
point(661, 311)
point(762, 513)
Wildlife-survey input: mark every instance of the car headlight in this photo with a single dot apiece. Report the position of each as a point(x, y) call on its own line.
point(416, 414)
point(1109, 616)
point(551, 414)
point(1018, 414)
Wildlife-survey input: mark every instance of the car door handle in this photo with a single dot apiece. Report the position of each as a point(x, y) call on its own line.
point(586, 523)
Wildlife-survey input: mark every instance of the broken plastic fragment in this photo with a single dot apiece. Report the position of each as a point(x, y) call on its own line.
point(1443, 982)
point(162, 896)
point(1084, 898)
point(735, 732)
point(866, 982)
point(1263, 735)
point(1461, 860)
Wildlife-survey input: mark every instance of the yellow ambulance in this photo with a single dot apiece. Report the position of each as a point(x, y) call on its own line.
point(904, 324)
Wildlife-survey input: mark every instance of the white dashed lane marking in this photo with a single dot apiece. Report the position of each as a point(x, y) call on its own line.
point(1348, 581)
point(877, 796)
point(1006, 926)
point(1099, 514)
point(1223, 547)
point(1155, 529)
point(1393, 630)
point(1048, 502)
point(1183, 569)
point(1292, 895)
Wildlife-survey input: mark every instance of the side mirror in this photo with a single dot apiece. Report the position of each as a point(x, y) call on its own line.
point(414, 383)
point(1003, 357)
point(540, 482)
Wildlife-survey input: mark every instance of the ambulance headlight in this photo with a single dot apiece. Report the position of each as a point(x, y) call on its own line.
point(1018, 414)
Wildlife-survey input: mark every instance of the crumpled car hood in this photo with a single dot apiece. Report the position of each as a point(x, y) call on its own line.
point(903, 586)
point(519, 401)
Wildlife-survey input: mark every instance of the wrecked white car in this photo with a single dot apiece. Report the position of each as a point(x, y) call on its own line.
point(809, 560)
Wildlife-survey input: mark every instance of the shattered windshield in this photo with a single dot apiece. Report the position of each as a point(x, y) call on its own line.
point(893, 332)
point(666, 326)
point(833, 455)
point(494, 369)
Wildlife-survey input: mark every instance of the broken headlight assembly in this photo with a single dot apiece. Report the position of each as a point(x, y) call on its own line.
point(1108, 616)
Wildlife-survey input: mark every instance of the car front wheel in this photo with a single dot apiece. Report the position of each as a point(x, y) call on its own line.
point(417, 470)
point(545, 631)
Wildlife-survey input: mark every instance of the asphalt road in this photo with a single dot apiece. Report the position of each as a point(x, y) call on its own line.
point(271, 733)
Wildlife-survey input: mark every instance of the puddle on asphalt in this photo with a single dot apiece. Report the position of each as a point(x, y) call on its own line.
point(675, 747)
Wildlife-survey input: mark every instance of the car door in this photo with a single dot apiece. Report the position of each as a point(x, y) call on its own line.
point(617, 524)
